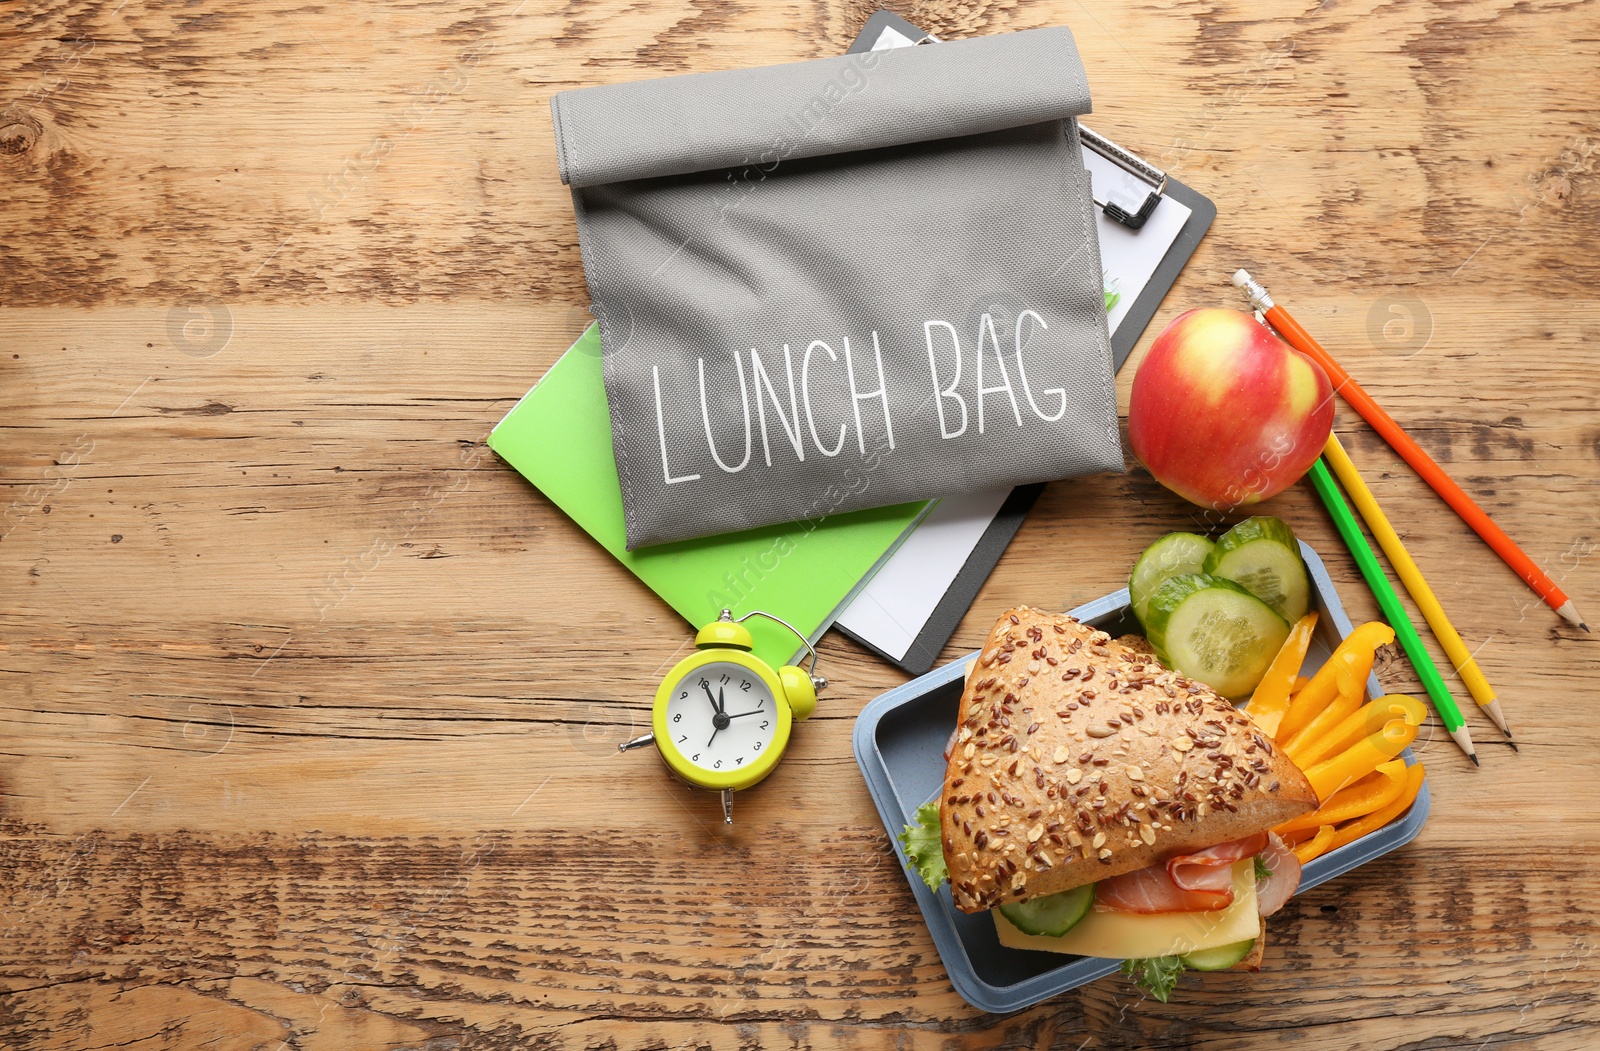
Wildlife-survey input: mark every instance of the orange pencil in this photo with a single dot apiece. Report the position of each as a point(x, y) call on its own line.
point(1401, 442)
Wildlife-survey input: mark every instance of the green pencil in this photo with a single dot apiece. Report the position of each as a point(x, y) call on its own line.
point(1345, 521)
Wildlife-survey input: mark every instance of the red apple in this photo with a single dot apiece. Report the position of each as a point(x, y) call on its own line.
point(1224, 413)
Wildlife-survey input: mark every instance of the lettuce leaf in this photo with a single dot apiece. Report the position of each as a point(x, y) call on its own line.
point(924, 845)
point(1156, 975)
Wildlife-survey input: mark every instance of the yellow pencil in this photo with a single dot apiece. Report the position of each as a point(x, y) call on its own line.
point(1411, 576)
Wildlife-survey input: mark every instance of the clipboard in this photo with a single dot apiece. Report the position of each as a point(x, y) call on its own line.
point(1130, 204)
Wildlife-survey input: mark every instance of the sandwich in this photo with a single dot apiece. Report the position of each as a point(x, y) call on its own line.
point(1099, 804)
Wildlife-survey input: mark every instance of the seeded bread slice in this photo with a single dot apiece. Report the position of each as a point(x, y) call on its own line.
point(1137, 645)
point(1078, 757)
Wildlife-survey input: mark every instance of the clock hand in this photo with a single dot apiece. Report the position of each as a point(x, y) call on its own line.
point(714, 705)
point(720, 720)
point(753, 711)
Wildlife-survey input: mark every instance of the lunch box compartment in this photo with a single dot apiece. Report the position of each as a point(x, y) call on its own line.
point(899, 744)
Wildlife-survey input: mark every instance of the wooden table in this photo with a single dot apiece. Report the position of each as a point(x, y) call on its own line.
point(311, 703)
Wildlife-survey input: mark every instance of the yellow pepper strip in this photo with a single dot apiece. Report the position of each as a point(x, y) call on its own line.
point(1298, 836)
point(1299, 684)
point(1338, 709)
point(1271, 698)
point(1316, 846)
point(1360, 759)
point(1369, 719)
point(1345, 672)
point(1354, 830)
point(1373, 792)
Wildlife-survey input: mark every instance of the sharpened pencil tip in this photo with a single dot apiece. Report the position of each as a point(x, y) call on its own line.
point(1569, 613)
point(1474, 757)
point(1513, 745)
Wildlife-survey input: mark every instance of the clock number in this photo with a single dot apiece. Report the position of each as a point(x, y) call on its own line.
point(678, 718)
point(683, 738)
point(695, 758)
point(758, 746)
point(763, 724)
point(726, 678)
point(717, 765)
point(705, 683)
point(682, 695)
point(739, 761)
point(745, 685)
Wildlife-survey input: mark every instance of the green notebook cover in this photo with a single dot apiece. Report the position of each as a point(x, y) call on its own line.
point(559, 438)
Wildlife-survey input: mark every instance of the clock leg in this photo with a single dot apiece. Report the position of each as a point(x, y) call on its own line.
point(727, 806)
point(637, 742)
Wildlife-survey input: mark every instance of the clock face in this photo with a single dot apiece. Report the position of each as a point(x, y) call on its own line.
point(722, 717)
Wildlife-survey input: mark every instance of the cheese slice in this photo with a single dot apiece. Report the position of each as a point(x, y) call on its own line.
point(1133, 936)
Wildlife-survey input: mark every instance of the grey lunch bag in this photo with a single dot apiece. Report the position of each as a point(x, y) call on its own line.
point(843, 283)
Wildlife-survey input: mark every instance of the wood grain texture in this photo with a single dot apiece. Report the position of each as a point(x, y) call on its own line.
point(310, 703)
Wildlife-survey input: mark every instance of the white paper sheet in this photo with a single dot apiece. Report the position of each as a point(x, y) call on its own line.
point(891, 610)
point(1129, 257)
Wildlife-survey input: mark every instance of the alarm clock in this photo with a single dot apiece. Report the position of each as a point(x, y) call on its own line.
point(722, 716)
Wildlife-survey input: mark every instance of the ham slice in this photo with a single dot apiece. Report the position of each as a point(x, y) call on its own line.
point(1198, 882)
point(1201, 870)
point(1150, 890)
point(1284, 880)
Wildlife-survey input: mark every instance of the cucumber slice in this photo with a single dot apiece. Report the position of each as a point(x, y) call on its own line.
point(1261, 555)
point(1173, 555)
point(1052, 915)
point(1215, 631)
point(1219, 958)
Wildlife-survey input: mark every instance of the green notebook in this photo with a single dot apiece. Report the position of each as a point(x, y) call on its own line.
point(559, 438)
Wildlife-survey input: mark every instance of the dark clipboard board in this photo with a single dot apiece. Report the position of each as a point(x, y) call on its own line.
point(941, 624)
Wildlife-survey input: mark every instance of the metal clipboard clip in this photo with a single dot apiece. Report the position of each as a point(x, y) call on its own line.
point(1125, 204)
